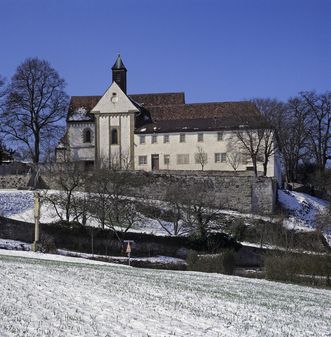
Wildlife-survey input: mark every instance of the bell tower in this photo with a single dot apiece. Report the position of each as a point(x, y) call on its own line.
point(119, 73)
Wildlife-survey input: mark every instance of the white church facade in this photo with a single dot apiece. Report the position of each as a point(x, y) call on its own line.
point(158, 131)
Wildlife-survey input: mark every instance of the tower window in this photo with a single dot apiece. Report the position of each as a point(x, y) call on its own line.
point(114, 136)
point(87, 136)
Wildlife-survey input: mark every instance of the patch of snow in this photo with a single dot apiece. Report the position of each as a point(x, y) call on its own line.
point(79, 114)
point(14, 245)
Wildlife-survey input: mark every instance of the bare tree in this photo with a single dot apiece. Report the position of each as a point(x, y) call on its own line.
point(274, 112)
point(198, 208)
point(35, 104)
point(2, 89)
point(293, 137)
point(6, 153)
point(110, 204)
point(318, 109)
point(233, 155)
point(68, 178)
point(251, 141)
point(201, 157)
point(169, 215)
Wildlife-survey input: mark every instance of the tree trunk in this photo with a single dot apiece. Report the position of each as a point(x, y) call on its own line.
point(36, 148)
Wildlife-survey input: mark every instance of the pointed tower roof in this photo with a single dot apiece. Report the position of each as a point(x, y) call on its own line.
point(118, 64)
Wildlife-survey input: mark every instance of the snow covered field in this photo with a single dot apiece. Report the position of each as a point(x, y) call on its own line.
point(57, 298)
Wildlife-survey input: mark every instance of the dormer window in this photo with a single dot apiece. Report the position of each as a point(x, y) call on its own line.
point(87, 136)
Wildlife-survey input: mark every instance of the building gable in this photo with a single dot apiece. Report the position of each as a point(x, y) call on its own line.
point(114, 101)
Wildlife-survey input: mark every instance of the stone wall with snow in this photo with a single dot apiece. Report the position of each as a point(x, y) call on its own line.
point(14, 181)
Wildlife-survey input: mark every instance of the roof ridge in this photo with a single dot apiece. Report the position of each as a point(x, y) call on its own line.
point(158, 93)
point(224, 102)
point(86, 96)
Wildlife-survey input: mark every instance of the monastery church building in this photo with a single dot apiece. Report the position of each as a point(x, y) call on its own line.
point(157, 131)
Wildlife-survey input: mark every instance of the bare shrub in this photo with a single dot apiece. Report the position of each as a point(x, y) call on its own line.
point(216, 263)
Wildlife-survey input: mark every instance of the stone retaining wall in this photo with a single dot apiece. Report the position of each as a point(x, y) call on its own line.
point(240, 192)
point(14, 181)
point(247, 194)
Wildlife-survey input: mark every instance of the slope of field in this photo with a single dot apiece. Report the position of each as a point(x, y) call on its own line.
point(57, 298)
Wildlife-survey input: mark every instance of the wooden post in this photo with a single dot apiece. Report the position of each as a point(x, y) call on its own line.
point(36, 221)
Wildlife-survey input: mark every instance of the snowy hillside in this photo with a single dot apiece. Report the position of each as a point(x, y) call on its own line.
point(303, 209)
point(19, 205)
point(54, 298)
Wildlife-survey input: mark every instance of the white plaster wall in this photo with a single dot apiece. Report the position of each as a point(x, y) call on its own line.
point(103, 137)
point(210, 145)
point(78, 149)
point(125, 135)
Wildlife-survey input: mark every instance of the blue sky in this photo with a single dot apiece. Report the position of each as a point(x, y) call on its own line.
point(214, 50)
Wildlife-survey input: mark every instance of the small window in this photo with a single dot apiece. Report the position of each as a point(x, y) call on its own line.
point(114, 136)
point(166, 139)
point(182, 138)
point(200, 137)
point(183, 159)
point(217, 157)
point(223, 157)
point(166, 159)
point(87, 136)
point(142, 160)
point(142, 139)
point(154, 139)
point(219, 136)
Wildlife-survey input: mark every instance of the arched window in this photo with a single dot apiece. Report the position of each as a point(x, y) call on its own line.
point(114, 136)
point(87, 136)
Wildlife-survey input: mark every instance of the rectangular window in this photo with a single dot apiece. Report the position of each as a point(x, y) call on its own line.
point(166, 159)
point(219, 136)
point(182, 138)
point(183, 159)
point(154, 139)
point(217, 157)
point(200, 137)
point(142, 160)
point(166, 139)
point(223, 157)
point(142, 139)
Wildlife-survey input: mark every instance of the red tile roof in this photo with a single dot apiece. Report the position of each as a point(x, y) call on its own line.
point(169, 113)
